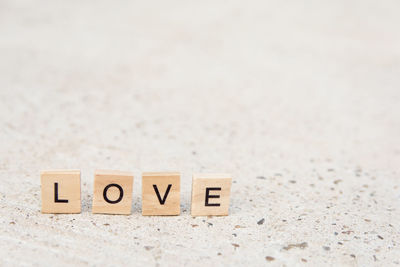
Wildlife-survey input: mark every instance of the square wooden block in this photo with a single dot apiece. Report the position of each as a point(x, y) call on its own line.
point(112, 192)
point(210, 194)
point(61, 191)
point(161, 193)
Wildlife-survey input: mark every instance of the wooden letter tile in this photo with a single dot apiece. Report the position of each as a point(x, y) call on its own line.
point(112, 192)
point(210, 194)
point(160, 193)
point(61, 191)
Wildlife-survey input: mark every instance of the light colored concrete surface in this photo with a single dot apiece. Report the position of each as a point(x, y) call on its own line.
point(300, 101)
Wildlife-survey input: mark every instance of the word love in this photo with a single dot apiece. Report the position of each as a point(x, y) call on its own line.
point(61, 193)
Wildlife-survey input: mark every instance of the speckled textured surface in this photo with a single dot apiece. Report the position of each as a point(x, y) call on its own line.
point(300, 102)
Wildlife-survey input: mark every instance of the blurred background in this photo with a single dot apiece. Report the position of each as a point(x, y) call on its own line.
point(298, 100)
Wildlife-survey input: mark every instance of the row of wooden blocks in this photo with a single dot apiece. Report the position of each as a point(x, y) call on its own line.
point(61, 193)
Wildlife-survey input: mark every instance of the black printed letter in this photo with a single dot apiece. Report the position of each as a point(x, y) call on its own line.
point(208, 189)
point(56, 195)
point(121, 193)
point(162, 201)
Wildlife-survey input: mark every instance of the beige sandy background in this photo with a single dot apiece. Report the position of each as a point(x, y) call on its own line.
point(300, 101)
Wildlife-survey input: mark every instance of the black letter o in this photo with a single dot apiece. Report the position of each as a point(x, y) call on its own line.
point(121, 193)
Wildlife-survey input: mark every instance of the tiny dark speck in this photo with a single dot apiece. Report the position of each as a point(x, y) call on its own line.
point(326, 248)
point(380, 237)
point(299, 245)
point(269, 258)
point(261, 177)
point(292, 181)
point(261, 221)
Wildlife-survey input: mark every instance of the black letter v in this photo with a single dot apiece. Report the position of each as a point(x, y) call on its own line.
point(162, 201)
